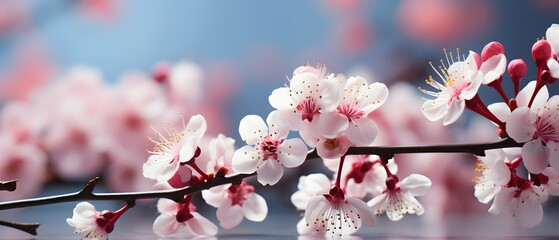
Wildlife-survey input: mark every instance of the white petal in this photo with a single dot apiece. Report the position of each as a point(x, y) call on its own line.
point(304, 229)
point(165, 225)
point(456, 109)
point(255, 208)
point(229, 216)
point(216, 196)
point(553, 148)
point(329, 90)
point(377, 203)
point(529, 212)
point(362, 132)
point(377, 94)
point(196, 127)
point(435, 109)
point(167, 206)
point(501, 110)
point(415, 184)
point(245, 160)
point(278, 128)
point(364, 211)
point(552, 185)
point(160, 167)
point(270, 172)
point(493, 68)
point(520, 124)
point(201, 225)
point(292, 152)
point(325, 150)
point(535, 156)
point(332, 124)
point(503, 201)
point(523, 97)
point(300, 199)
point(358, 190)
point(553, 66)
point(552, 36)
point(252, 129)
point(314, 207)
point(476, 78)
point(280, 99)
point(484, 193)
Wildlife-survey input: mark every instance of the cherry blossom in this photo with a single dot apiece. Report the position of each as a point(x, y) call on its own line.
point(494, 63)
point(178, 147)
point(399, 197)
point(309, 95)
point(310, 186)
point(538, 128)
point(552, 36)
point(336, 214)
point(501, 110)
point(235, 201)
point(221, 150)
point(522, 203)
point(494, 175)
point(550, 181)
point(181, 220)
point(461, 80)
point(268, 150)
point(327, 147)
point(92, 223)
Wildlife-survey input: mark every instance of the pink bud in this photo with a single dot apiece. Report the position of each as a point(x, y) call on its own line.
point(492, 49)
point(517, 69)
point(477, 58)
point(161, 72)
point(541, 52)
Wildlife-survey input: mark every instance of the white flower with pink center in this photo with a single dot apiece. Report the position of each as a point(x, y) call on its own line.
point(398, 198)
point(175, 148)
point(235, 201)
point(552, 36)
point(460, 82)
point(501, 110)
point(181, 220)
point(268, 150)
point(310, 186)
point(523, 204)
point(336, 214)
point(309, 94)
point(539, 129)
point(329, 148)
point(494, 175)
point(357, 100)
point(92, 223)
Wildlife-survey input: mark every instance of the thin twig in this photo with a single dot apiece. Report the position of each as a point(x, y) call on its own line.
point(9, 186)
point(30, 228)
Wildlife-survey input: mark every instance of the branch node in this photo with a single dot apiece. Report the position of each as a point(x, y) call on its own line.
point(88, 189)
point(30, 228)
point(9, 186)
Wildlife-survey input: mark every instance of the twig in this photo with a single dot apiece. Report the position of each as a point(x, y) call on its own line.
point(9, 186)
point(177, 195)
point(30, 228)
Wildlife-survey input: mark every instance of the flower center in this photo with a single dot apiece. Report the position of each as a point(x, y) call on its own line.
point(309, 108)
point(546, 129)
point(238, 192)
point(351, 110)
point(331, 144)
point(269, 147)
point(336, 217)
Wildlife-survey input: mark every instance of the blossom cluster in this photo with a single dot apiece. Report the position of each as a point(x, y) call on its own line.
point(332, 113)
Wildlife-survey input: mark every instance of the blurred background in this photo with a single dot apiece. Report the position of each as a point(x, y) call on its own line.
point(82, 80)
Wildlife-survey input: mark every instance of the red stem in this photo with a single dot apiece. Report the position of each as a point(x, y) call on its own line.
point(538, 87)
point(339, 176)
point(198, 170)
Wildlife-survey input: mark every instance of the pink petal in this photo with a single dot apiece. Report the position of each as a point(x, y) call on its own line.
point(202, 226)
point(362, 132)
point(552, 185)
point(377, 94)
point(229, 216)
point(529, 212)
point(377, 203)
point(245, 160)
point(435, 109)
point(255, 208)
point(476, 79)
point(501, 110)
point(292, 152)
point(324, 150)
point(300, 199)
point(160, 167)
point(332, 124)
point(165, 225)
point(523, 97)
point(415, 184)
point(520, 124)
point(280, 99)
point(270, 172)
point(252, 129)
point(197, 128)
point(503, 201)
point(167, 206)
point(535, 156)
point(454, 112)
point(364, 211)
point(493, 68)
point(315, 206)
point(216, 196)
point(553, 66)
point(277, 123)
point(304, 229)
point(329, 90)
point(354, 189)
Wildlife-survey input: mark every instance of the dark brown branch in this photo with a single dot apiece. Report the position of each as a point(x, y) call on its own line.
point(9, 186)
point(177, 195)
point(30, 228)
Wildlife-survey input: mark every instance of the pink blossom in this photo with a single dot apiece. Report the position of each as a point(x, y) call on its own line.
point(221, 150)
point(16, 124)
point(398, 198)
point(502, 110)
point(268, 150)
point(460, 82)
point(494, 175)
point(93, 224)
point(235, 201)
point(538, 129)
point(523, 204)
point(308, 187)
point(181, 220)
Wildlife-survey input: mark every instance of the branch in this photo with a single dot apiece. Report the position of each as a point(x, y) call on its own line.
point(177, 195)
point(30, 228)
point(9, 186)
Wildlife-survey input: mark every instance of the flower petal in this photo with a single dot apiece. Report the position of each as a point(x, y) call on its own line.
point(280, 99)
point(535, 156)
point(501, 110)
point(523, 97)
point(362, 132)
point(552, 36)
point(415, 184)
point(529, 212)
point(160, 167)
point(553, 66)
point(252, 129)
point(503, 201)
point(454, 111)
point(194, 132)
point(520, 124)
point(165, 225)
point(331, 124)
point(315, 206)
point(553, 148)
point(377, 203)
point(435, 109)
point(278, 127)
point(245, 160)
point(201, 225)
point(229, 216)
point(329, 90)
point(292, 152)
point(215, 196)
point(255, 208)
point(376, 95)
point(364, 211)
point(493, 68)
point(270, 172)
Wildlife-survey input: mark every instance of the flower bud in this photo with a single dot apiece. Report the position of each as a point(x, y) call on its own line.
point(541, 52)
point(492, 49)
point(517, 69)
point(161, 72)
